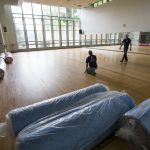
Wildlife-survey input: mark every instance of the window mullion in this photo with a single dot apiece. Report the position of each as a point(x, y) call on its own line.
point(43, 28)
point(34, 26)
point(25, 30)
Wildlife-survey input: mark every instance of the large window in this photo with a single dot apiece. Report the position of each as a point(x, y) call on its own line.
point(64, 32)
point(70, 29)
point(77, 37)
point(42, 26)
point(56, 32)
point(100, 2)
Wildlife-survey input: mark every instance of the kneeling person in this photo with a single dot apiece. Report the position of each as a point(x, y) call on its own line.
point(91, 64)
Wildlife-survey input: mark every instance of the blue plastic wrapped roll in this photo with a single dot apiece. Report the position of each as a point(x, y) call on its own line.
point(22, 117)
point(135, 127)
point(78, 128)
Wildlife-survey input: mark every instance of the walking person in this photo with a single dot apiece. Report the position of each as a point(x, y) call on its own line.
point(126, 42)
point(91, 63)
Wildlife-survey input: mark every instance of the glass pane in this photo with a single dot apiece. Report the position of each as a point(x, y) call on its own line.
point(100, 3)
point(98, 36)
point(62, 11)
point(77, 35)
point(56, 43)
point(70, 23)
point(46, 21)
point(64, 43)
point(99, 39)
point(22, 45)
point(104, 1)
point(47, 27)
point(54, 11)
point(69, 12)
point(38, 21)
point(48, 44)
point(116, 38)
point(95, 5)
point(18, 20)
point(29, 27)
point(32, 46)
point(112, 38)
point(17, 15)
point(31, 42)
point(48, 35)
point(27, 8)
point(40, 44)
point(37, 9)
point(55, 27)
point(55, 23)
point(20, 36)
point(28, 21)
point(19, 26)
point(56, 35)
point(70, 35)
point(27, 16)
point(46, 9)
point(70, 43)
point(39, 35)
point(38, 27)
point(94, 36)
point(38, 16)
point(63, 22)
point(31, 36)
point(77, 25)
point(103, 38)
point(46, 17)
point(76, 13)
point(77, 43)
point(70, 27)
point(16, 9)
point(63, 35)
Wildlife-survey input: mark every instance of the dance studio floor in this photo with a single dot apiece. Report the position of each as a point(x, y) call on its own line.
point(39, 75)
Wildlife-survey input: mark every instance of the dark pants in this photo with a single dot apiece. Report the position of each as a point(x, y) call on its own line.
point(125, 54)
point(91, 71)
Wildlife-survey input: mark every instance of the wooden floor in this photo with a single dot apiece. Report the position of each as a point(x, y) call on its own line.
point(35, 76)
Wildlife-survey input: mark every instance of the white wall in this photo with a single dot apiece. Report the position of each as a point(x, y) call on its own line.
point(110, 17)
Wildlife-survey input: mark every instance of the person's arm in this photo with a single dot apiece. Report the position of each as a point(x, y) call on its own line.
point(130, 46)
point(86, 66)
point(96, 60)
point(121, 44)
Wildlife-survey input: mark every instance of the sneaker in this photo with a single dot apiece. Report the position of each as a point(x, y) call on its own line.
point(125, 62)
point(121, 60)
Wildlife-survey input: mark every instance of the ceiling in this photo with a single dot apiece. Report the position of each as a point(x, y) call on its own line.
point(65, 3)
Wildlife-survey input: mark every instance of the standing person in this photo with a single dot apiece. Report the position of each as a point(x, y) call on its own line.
point(126, 42)
point(91, 64)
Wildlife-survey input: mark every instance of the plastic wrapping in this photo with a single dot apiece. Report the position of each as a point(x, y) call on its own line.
point(135, 127)
point(22, 117)
point(2, 55)
point(2, 68)
point(78, 128)
point(8, 58)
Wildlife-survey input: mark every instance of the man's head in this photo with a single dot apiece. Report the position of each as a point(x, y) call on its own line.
point(90, 52)
point(127, 36)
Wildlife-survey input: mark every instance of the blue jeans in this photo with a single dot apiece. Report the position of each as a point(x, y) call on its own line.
point(91, 70)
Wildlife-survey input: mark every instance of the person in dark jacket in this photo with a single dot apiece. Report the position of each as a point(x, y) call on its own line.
point(126, 42)
point(91, 63)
